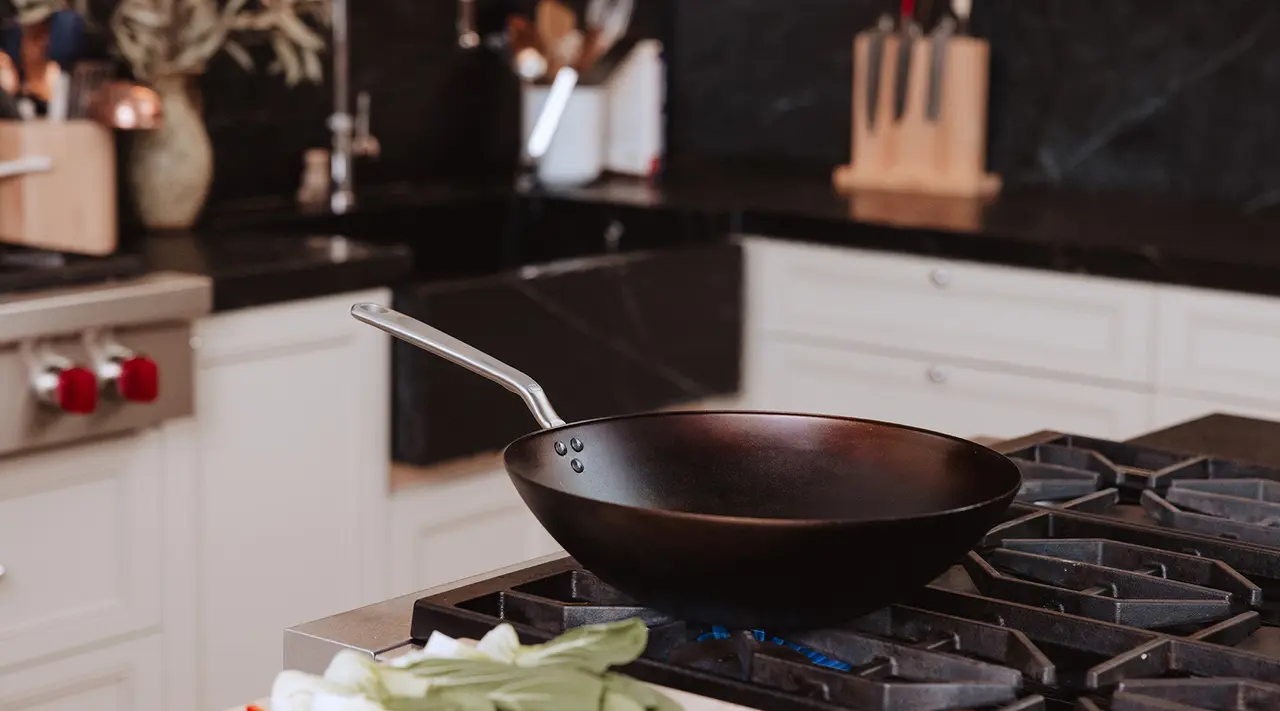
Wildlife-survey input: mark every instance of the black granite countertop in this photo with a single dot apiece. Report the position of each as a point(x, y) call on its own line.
point(1203, 245)
point(252, 268)
point(263, 251)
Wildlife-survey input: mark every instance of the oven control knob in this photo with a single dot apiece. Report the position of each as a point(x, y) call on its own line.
point(139, 379)
point(131, 377)
point(71, 389)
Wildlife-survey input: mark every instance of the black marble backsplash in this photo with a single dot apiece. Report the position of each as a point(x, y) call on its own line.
point(603, 335)
point(1171, 97)
point(1163, 97)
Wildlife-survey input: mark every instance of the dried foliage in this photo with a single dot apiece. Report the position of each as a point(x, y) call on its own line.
point(28, 12)
point(169, 37)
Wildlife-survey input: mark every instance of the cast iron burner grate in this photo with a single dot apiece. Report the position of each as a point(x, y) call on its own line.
point(897, 659)
point(23, 269)
point(950, 647)
point(1066, 467)
point(1105, 580)
point(1205, 496)
point(1192, 695)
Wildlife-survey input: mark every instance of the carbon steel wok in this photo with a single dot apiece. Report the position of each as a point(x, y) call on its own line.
point(748, 519)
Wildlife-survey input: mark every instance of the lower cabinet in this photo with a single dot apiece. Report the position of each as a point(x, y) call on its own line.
point(956, 399)
point(457, 520)
point(284, 489)
point(80, 554)
point(127, 676)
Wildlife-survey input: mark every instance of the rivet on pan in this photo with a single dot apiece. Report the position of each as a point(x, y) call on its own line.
point(576, 444)
point(575, 465)
point(561, 449)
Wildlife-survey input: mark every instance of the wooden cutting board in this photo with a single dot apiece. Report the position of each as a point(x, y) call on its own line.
point(71, 208)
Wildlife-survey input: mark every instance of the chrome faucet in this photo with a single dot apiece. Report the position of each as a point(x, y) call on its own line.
point(352, 137)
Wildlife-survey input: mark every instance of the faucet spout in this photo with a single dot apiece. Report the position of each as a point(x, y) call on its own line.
point(351, 136)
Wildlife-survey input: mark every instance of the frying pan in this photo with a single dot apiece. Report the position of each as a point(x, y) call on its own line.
point(747, 519)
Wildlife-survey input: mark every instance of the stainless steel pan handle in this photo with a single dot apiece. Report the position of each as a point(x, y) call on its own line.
point(435, 341)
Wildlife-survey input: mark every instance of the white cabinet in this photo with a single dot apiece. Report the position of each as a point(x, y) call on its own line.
point(1215, 344)
point(79, 545)
point(1034, 321)
point(457, 520)
point(288, 482)
point(125, 677)
point(966, 349)
point(982, 350)
point(938, 395)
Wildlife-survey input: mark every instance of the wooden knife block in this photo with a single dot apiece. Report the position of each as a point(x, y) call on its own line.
point(914, 154)
point(70, 208)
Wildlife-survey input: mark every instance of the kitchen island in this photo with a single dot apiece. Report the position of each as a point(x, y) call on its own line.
point(1114, 633)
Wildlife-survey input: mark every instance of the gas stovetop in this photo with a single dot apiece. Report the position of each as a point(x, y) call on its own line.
point(1125, 578)
point(24, 270)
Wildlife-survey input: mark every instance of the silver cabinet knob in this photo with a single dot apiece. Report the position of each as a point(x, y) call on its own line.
point(936, 374)
point(940, 277)
point(613, 235)
point(1, 571)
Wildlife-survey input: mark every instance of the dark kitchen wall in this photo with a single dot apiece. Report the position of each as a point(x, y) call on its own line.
point(1176, 97)
point(1155, 96)
point(440, 113)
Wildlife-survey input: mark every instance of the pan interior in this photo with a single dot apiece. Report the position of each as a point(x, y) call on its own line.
point(764, 465)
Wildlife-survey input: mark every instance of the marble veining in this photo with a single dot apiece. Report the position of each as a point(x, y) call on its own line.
point(613, 334)
point(1147, 96)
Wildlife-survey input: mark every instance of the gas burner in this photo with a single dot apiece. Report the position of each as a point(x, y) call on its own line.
point(855, 669)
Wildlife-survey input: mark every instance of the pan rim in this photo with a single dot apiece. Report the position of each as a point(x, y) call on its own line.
point(1007, 494)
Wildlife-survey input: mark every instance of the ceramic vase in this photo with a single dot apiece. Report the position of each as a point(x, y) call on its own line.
point(171, 167)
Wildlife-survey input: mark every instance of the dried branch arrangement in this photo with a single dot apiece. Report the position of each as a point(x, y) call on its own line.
point(170, 37)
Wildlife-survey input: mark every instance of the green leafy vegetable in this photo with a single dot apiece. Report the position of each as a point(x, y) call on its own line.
point(649, 698)
point(569, 673)
point(593, 647)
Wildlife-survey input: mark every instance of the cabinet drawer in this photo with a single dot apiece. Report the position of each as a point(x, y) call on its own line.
point(959, 400)
point(123, 677)
point(1079, 325)
point(79, 544)
point(1218, 344)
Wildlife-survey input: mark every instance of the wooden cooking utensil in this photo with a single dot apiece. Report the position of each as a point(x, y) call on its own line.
point(557, 26)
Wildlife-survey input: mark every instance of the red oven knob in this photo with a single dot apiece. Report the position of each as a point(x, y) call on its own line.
point(70, 389)
point(77, 390)
point(139, 379)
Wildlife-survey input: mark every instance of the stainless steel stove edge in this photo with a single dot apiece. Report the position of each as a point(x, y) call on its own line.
point(380, 629)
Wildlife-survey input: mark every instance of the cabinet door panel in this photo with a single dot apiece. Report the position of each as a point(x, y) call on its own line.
point(1037, 321)
point(79, 545)
point(959, 400)
point(124, 677)
point(1215, 345)
point(292, 460)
